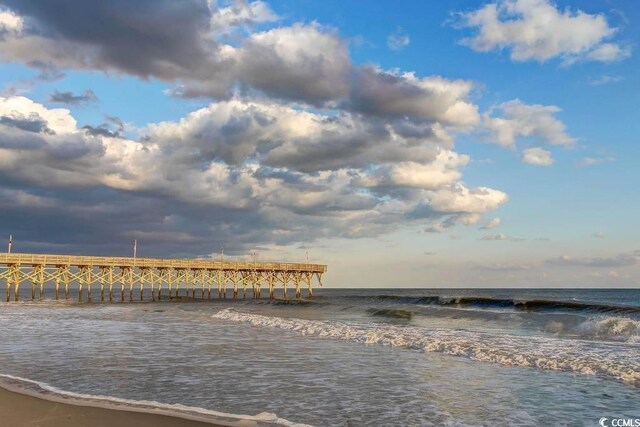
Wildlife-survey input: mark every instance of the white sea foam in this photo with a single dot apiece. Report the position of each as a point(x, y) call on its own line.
point(45, 390)
point(615, 360)
point(610, 327)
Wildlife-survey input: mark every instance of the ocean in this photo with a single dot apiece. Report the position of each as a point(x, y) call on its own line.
point(365, 357)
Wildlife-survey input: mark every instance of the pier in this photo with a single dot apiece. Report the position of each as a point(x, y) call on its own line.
point(140, 279)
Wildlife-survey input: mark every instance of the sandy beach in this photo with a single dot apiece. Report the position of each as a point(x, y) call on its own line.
point(21, 410)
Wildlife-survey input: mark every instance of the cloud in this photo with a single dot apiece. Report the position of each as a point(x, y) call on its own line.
point(30, 123)
point(536, 30)
point(213, 173)
point(297, 144)
point(517, 120)
point(598, 234)
point(504, 267)
point(302, 63)
point(398, 40)
point(443, 170)
point(299, 62)
point(537, 156)
point(23, 113)
point(123, 37)
point(592, 161)
point(70, 99)
point(605, 79)
point(491, 224)
point(501, 237)
point(396, 94)
point(621, 260)
point(241, 14)
point(112, 128)
point(608, 52)
point(460, 199)
point(611, 274)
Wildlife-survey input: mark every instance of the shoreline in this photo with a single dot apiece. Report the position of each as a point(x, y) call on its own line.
point(25, 402)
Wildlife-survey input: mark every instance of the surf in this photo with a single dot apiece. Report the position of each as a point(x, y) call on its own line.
point(617, 361)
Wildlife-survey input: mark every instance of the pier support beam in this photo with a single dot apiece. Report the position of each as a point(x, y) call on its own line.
point(285, 282)
point(210, 278)
point(296, 281)
point(234, 279)
point(270, 281)
point(307, 278)
point(101, 280)
point(14, 274)
point(87, 272)
point(142, 277)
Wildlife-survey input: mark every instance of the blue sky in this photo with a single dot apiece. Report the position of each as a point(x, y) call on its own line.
point(416, 144)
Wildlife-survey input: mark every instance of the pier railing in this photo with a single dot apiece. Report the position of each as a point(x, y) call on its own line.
point(79, 260)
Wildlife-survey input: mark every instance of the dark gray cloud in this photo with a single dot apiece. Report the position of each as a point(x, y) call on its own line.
point(163, 38)
point(393, 94)
point(48, 72)
point(101, 130)
point(70, 99)
point(30, 123)
point(112, 128)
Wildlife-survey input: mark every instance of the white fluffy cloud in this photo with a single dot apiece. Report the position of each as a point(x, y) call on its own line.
point(460, 199)
point(517, 119)
point(10, 22)
point(538, 30)
point(22, 112)
point(491, 224)
point(443, 170)
point(240, 14)
point(537, 156)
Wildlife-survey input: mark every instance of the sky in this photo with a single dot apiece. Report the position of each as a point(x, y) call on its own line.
point(406, 143)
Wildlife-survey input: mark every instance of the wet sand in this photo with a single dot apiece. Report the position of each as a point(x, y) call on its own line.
point(21, 410)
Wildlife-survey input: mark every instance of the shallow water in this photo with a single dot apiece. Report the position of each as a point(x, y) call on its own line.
point(365, 357)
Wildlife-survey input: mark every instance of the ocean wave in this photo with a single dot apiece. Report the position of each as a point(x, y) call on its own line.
point(611, 328)
point(617, 361)
point(490, 302)
point(49, 392)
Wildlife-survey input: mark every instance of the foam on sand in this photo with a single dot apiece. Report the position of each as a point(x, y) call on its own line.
point(615, 360)
point(45, 391)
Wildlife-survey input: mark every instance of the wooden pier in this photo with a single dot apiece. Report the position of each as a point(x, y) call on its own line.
point(118, 278)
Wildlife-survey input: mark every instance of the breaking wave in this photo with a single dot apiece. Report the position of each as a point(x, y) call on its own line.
point(488, 302)
point(611, 328)
point(618, 361)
